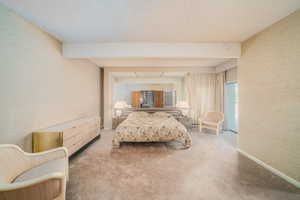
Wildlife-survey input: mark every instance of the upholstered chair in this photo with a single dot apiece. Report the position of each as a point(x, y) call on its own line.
point(211, 120)
point(33, 176)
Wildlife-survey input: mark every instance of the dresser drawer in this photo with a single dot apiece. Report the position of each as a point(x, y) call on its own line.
point(70, 141)
point(72, 149)
point(70, 132)
point(72, 135)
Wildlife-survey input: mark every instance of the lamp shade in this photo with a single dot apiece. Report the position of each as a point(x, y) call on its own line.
point(121, 105)
point(182, 104)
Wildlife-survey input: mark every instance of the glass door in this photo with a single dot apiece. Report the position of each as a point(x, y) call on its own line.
point(231, 107)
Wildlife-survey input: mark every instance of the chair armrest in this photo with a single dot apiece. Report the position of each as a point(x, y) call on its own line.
point(200, 120)
point(220, 122)
point(37, 159)
point(61, 150)
point(48, 186)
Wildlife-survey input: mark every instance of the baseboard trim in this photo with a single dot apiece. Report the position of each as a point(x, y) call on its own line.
point(268, 167)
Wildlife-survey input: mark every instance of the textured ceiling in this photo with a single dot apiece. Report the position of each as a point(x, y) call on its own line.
point(153, 20)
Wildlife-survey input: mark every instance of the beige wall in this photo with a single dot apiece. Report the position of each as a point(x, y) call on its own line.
point(39, 88)
point(269, 78)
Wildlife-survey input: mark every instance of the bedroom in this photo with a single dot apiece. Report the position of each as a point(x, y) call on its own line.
point(137, 100)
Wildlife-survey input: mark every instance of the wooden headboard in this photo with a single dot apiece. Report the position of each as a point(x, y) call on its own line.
point(158, 98)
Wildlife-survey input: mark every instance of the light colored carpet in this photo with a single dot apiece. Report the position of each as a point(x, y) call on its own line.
point(211, 170)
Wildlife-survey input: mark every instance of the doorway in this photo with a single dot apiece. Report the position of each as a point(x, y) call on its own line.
point(231, 107)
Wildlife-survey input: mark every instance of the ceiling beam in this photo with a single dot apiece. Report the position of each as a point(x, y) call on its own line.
point(159, 62)
point(226, 66)
point(162, 69)
point(152, 50)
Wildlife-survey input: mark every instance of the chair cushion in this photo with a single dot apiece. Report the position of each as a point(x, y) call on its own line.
point(210, 123)
point(58, 165)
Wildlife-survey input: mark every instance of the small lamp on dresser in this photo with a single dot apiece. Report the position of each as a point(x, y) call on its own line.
point(184, 107)
point(119, 107)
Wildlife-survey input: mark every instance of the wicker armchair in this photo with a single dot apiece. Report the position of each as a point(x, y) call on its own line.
point(211, 120)
point(33, 176)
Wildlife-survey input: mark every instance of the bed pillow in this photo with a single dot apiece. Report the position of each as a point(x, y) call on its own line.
point(140, 114)
point(161, 114)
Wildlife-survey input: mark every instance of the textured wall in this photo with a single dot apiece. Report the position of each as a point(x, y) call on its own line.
point(39, 88)
point(269, 78)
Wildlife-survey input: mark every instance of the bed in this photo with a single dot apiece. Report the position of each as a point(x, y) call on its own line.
point(156, 127)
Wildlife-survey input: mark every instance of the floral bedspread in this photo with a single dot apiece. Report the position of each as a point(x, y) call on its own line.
point(157, 127)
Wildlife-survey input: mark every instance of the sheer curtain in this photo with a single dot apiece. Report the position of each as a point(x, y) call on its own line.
point(201, 93)
point(220, 80)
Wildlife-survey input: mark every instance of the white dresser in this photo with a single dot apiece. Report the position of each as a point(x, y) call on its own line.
point(73, 135)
